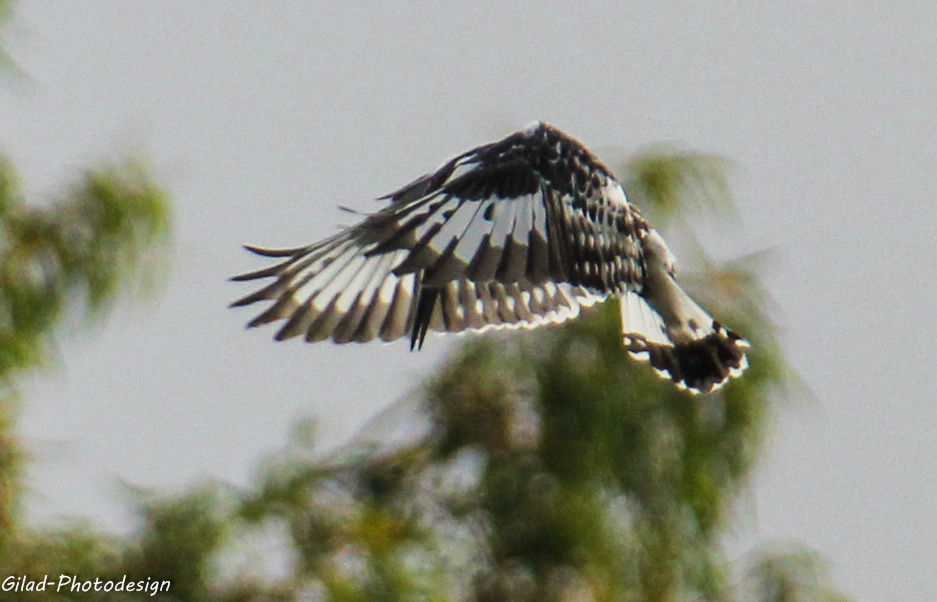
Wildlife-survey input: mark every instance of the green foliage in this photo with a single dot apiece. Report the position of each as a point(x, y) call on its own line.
point(673, 183)
point(73, 255)
point(6, 15)
point(555, 467)
point(178, 542)
point(6, 11)
point(74, 550)
point(794, 575)
point(70, 257)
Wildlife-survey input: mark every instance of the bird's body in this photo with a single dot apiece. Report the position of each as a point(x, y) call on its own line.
point(517, 233)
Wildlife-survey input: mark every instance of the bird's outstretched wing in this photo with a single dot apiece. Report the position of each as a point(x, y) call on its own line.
point(516, 233)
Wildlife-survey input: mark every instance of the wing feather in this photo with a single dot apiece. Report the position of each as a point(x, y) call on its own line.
point(515, 233)
point(399, 314)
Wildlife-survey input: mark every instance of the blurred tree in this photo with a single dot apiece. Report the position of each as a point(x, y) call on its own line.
point(70, 257)
point(793, 575)
point(554, 467)
point(58, 261)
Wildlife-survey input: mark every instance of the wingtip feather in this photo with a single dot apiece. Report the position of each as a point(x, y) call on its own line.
point(263, 252)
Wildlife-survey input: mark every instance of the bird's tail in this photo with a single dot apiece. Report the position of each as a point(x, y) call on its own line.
point(700, 364)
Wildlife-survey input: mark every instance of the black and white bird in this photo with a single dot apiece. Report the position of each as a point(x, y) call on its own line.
point(518, 233)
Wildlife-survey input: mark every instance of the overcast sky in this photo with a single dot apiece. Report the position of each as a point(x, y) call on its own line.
point(261, 117)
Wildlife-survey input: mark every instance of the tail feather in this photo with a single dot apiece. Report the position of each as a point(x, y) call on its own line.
point(702, 365)
point(424, 314)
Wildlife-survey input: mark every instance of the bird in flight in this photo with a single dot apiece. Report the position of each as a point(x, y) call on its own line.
point(518, 233)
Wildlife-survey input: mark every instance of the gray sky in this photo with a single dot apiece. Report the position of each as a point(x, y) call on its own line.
point(261, 118)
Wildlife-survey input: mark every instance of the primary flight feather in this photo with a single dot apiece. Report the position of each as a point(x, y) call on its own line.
point(513, 234)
